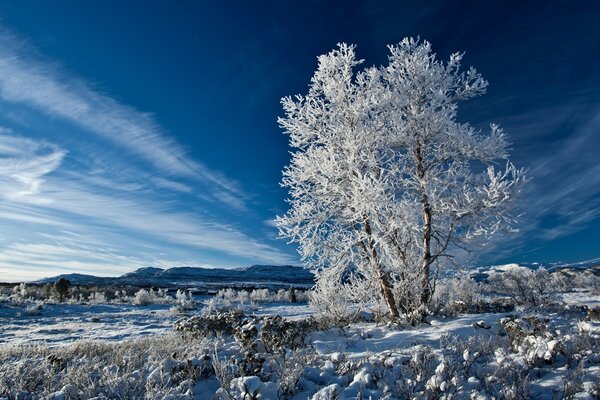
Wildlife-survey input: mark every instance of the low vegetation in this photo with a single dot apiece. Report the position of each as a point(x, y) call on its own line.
point(236, 356)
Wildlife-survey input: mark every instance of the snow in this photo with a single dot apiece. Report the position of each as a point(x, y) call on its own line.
point(358, 360)
point(505, 267)
point(363, 339)
point(581, 297)
point(64, 323)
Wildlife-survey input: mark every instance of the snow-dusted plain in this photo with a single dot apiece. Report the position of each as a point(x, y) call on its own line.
point(125, 350)
point(59, 324)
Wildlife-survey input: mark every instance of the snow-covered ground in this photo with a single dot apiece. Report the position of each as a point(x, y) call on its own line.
point(67, 351)
point(65, 323)
point(362, 339)
point(59, 324)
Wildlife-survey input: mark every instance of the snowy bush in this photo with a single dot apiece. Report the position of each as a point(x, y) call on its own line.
point(183, 301)
point(34, 309)
point(332, 301)
point(292, 295)
point(258, 333)
point(455, 295)
point(587, 280)
point(155, 368)
point(342, 301)
point(211, 324)
point(97, 298)
point(527, 288)
point(19, 294)
point(249, 388)
point(232, 355)
point(145, 297)
point(220, 305)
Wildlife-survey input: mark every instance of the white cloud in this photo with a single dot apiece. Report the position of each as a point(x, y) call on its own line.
point(43, 86)
point(23, 165)
point(565, 185)
point(119, 214)
point(77, 204)
point(150, 218)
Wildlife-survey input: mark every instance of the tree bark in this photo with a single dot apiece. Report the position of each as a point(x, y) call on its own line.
point(384, 282)
point(425, 294)
point(388, 295)
point(425, 268)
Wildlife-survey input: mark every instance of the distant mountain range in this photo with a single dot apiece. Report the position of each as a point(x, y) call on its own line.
point(272, 276)
point(254, 276)
point(481, 273)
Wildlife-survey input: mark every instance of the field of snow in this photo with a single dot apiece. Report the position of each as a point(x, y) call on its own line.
point(64, 323)
point(59, 324)
point(122, 350)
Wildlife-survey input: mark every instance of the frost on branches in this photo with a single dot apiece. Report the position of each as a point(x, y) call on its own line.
point(384, 183)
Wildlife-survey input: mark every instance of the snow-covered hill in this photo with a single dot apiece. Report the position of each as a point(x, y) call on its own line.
point(271, 275)
point(256, 275)
point(480, 273)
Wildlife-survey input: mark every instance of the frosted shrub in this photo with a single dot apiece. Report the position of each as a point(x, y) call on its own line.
point(289, 368)
point(510, 379)
point(152, 368)
point(120, 296)
point(263, 295)
point(456, 295)
point(249, 388)
point(536, 341)
point(145, 297)
point(183, 302)
point(210, 324)
point(526, 288)
point(538, 350)
point(587, 280)
point(334, 300)
point(228, 294)
point(97, 298)
point(217, 305)
point(243, 296)
point(19, 294)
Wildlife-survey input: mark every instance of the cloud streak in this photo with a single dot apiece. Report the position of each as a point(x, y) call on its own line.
point(76, 198)
point(127, 194)
point(23, 165)
point(41, 85)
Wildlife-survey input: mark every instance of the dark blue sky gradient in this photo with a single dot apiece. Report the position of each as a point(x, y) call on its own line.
point(210, 75)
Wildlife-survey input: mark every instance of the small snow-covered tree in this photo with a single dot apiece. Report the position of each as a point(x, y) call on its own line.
point(384, 182)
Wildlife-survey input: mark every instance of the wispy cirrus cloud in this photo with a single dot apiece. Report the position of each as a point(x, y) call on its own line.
point(565, 184)
point(23, 165)
point(563, 193)
point(127, 194)
point(28, 79)
point(97, 206)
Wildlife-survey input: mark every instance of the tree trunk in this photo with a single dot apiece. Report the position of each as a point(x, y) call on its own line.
point(425, 267)
point(425, 294)
point(384, 281)
point(386, 292)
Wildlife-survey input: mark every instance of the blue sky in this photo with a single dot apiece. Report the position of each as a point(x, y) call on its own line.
point(144, 132)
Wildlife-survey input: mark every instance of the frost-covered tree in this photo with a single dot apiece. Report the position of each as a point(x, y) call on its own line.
point(384, 182)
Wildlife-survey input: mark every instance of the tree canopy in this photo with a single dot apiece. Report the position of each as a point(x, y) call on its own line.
point(384, 182)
